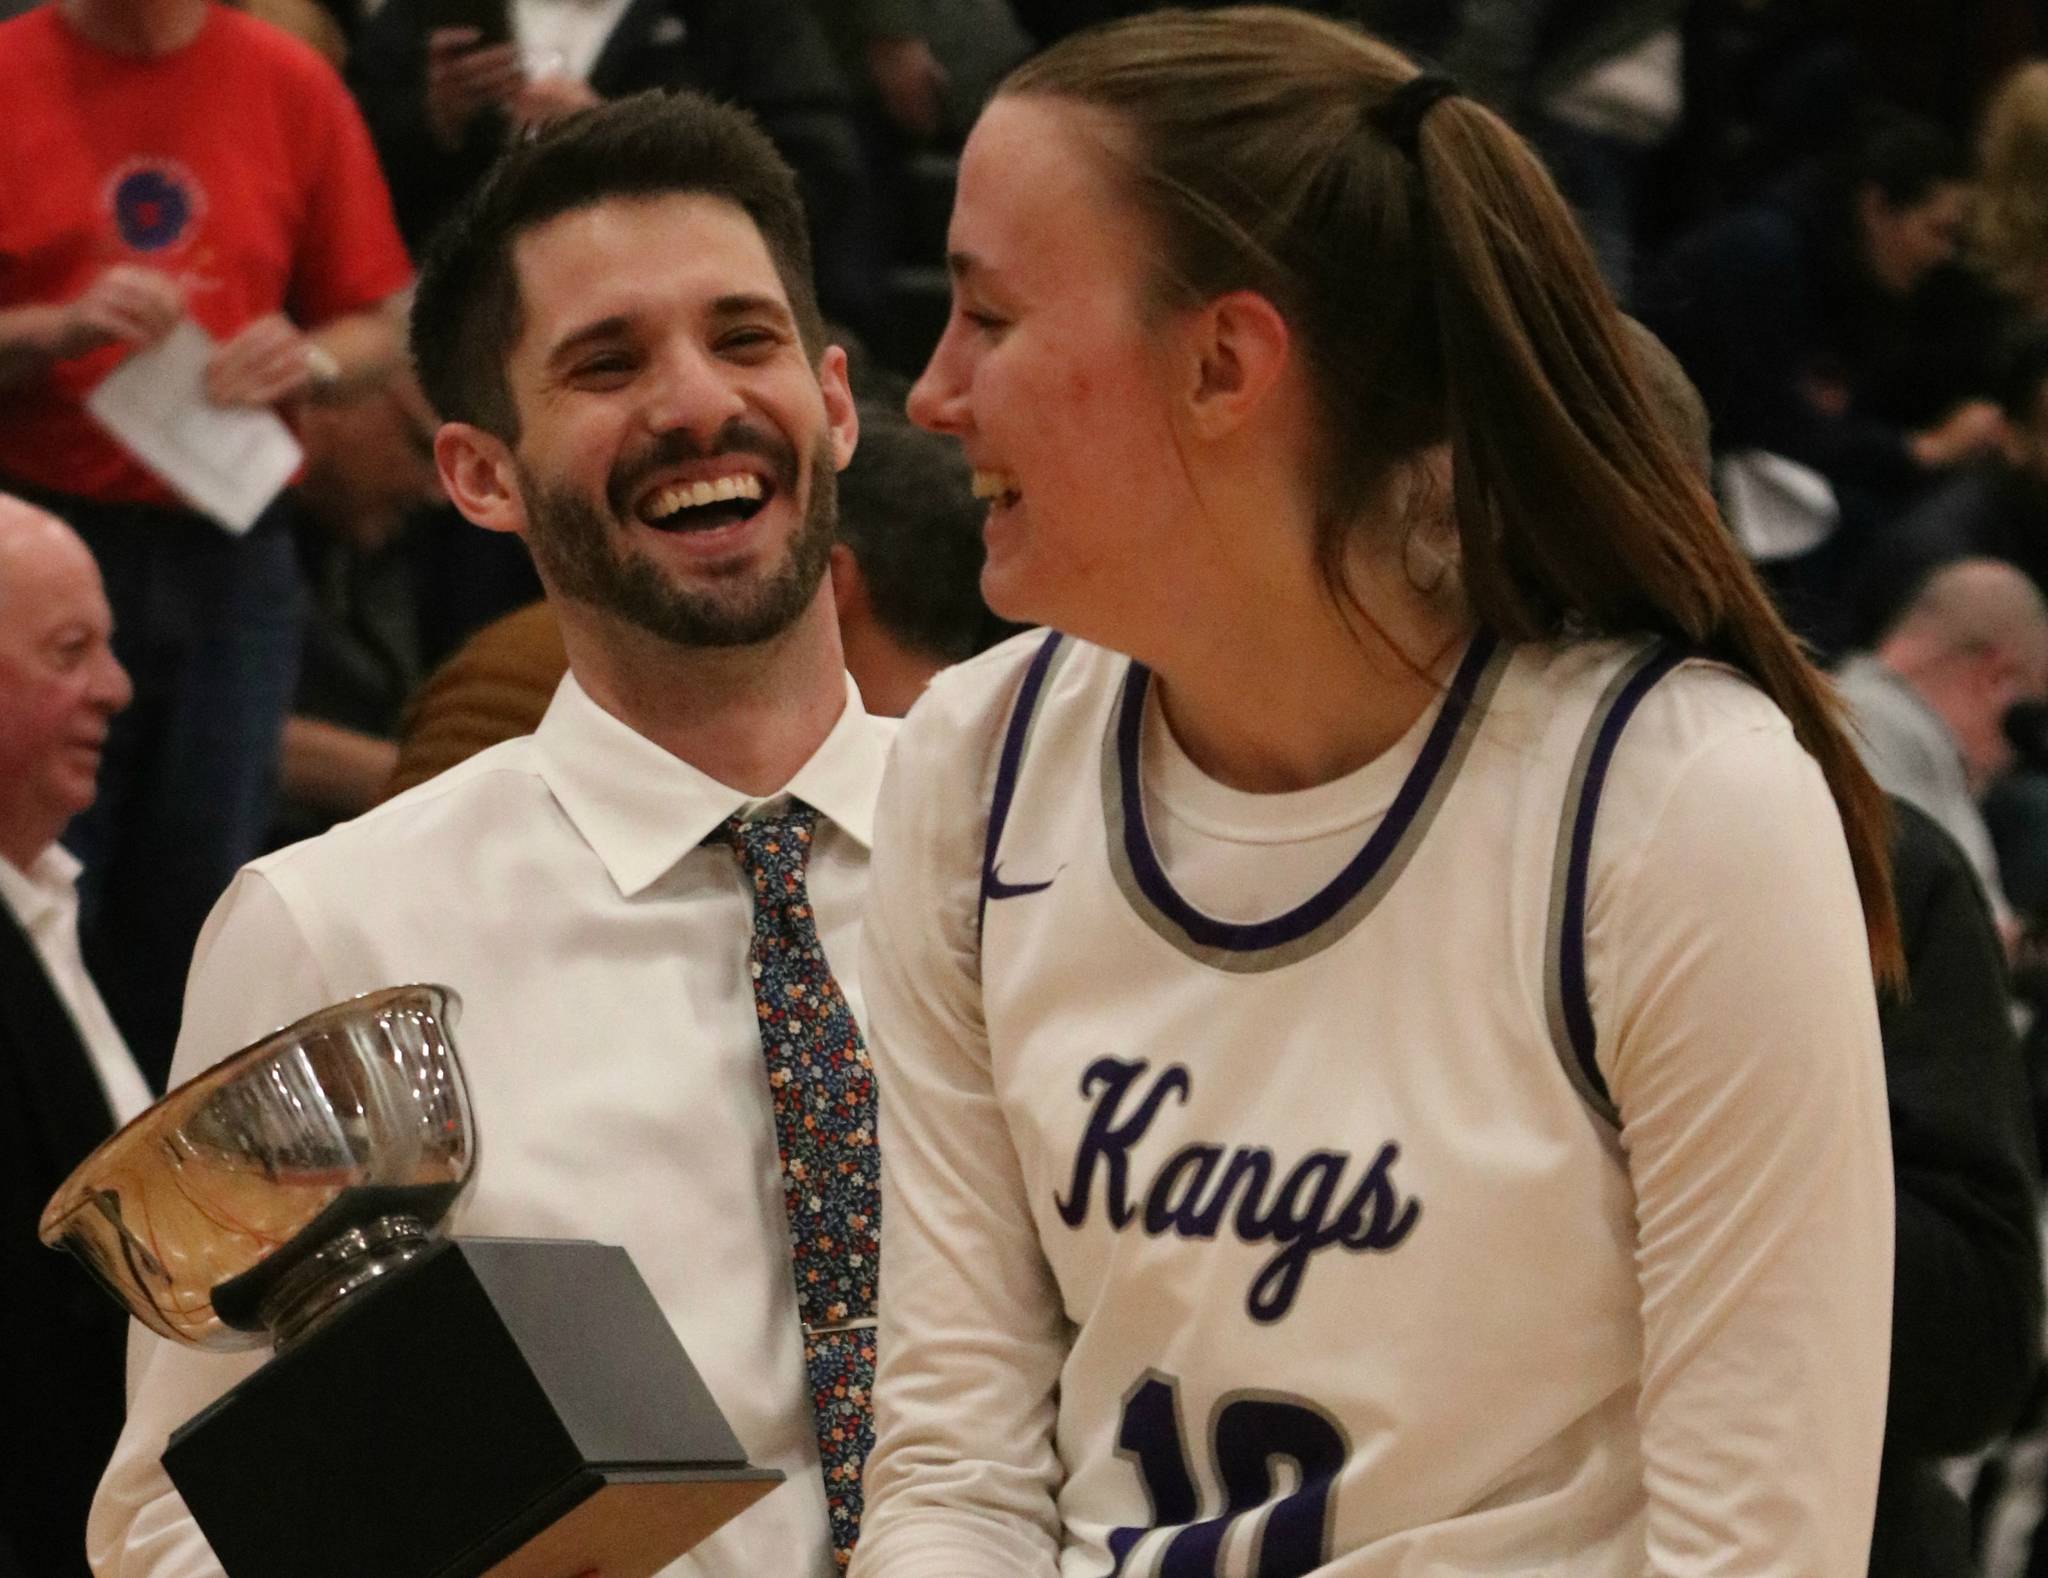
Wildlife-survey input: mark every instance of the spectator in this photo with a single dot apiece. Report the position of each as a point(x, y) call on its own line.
point(1768, 81)
point(66, 1079)
point(906, 571)
point(886, 43)
point(1966, 1312)
point(1996, 508)
point(2009, 232)
point(495, 687)
point(441, 100)
point(162, 162)
point(921, 70)
point(1677, 401)
point(624, 312)
point(1803, 320)
point(1593, 83)
point(369, 469)
point(1930, 702)
point(929, 64)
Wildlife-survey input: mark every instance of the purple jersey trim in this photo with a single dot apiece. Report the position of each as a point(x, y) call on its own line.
point(1007, 767)
point(1578, 1007)
point(1253, 936)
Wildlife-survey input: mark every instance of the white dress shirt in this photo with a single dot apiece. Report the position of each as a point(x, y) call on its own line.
point(1909, 750)
point(563, 38)
point(559, 884)
point(44, 900)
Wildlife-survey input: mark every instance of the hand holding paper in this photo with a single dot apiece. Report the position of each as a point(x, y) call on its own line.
point(268, 361)
point(124, 302)
point(226, 461)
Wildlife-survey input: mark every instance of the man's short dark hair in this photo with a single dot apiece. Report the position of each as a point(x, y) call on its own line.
point(908, 513)
point(466, 311)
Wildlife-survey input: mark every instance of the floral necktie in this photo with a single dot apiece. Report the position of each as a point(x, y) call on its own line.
point(823, 1091)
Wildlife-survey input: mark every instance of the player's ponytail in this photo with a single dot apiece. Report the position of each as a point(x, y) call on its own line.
point(1440, 293)
point(1576, 505)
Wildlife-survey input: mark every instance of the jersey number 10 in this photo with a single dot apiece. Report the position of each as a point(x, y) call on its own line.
point(1251, 1434)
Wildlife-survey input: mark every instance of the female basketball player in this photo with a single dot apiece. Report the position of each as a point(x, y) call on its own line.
point(1389, 1083)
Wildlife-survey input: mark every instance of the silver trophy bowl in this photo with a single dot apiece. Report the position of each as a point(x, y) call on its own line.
point(257, 1199)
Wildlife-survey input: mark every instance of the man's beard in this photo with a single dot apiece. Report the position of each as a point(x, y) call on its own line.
point(571, 542)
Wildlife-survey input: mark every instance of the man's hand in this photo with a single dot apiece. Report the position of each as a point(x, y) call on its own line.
point(546, 99)
point(911, 82)
point(464, 78)
point(126, 303)
point(268, 361)
point(1974, 428)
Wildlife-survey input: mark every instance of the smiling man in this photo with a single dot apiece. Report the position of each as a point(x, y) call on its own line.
point(643, 904)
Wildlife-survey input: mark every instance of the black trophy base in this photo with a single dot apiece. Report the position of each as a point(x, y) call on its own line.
point(503, 1406)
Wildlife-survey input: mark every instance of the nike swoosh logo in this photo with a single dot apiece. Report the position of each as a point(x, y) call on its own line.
point(999, 889)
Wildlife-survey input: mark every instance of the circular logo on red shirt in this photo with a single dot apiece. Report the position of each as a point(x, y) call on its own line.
point(156, 204)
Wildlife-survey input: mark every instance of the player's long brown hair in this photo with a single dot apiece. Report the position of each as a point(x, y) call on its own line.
point(1443, 295)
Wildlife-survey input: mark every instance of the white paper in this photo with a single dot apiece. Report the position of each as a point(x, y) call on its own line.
point(228, 462)
point(1777, 508)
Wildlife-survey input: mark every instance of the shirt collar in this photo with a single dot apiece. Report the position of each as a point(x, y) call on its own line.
point(641, 809)
point(1932, 727)
point(50, 882)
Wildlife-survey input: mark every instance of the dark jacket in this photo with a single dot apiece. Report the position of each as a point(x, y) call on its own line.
point(1767, 305)
point(767, 56)
point(1966, 1315)
point(61, 1338)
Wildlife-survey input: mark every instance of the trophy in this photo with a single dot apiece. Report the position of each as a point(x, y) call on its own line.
point(436, 1407)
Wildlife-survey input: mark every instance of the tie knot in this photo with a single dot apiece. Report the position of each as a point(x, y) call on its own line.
point(773, 850)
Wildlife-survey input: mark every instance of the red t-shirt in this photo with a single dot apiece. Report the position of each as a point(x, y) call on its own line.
point(237, 164)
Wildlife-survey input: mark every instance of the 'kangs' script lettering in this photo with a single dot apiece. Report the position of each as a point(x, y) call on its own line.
point(1303, 1211)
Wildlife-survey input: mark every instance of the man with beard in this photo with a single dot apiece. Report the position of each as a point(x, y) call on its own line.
point(620, 332)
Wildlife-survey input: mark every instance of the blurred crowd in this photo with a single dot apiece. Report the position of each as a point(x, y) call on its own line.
point(1835, 216)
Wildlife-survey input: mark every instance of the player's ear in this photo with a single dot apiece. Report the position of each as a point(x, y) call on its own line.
point(1237, 350)
point(480, 476)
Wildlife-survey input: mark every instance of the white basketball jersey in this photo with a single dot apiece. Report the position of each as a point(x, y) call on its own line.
point(1334, 1199)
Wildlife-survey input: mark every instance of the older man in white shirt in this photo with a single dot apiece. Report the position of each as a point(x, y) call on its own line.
point(621, 331)
point(1929, 704)
point(66, 1079)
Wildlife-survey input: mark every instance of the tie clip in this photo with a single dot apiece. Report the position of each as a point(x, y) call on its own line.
point(832, 1328)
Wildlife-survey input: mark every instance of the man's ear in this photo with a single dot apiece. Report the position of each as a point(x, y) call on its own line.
point(842, 418)
point(480, 477)
point(1238, 348)
point(2002, 672)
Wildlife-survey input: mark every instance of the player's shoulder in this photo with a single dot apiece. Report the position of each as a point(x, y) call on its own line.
point(967, 709)
point(1663, 699)
point(1701, 709)
point(1694, 749)
point(1648, 736)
